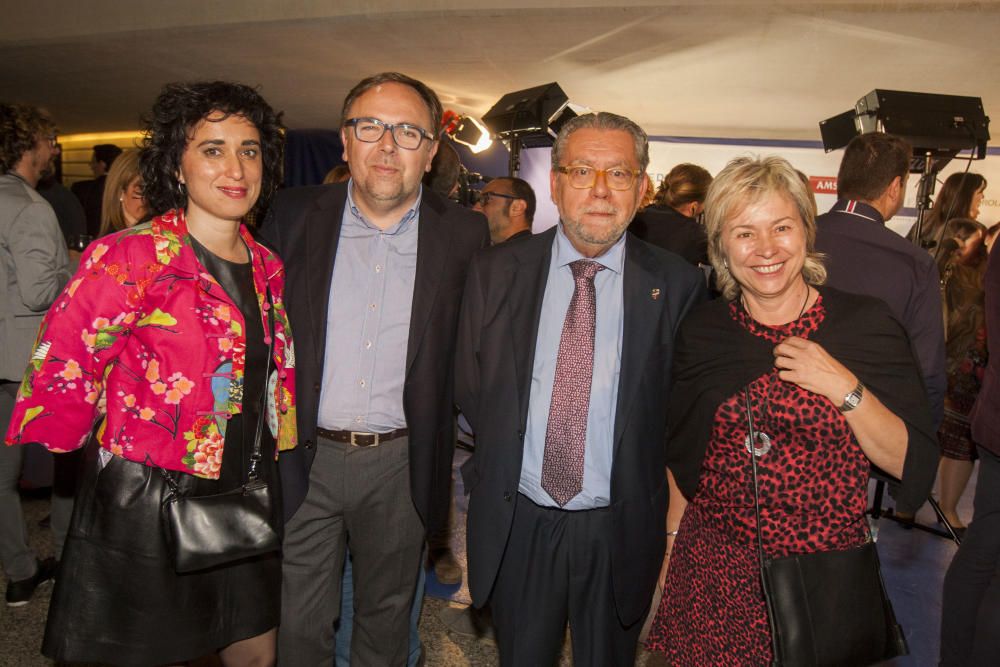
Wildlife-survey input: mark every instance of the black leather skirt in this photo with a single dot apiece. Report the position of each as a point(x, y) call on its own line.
point(117, 599)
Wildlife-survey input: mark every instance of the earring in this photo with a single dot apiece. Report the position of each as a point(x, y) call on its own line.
point(725, 263)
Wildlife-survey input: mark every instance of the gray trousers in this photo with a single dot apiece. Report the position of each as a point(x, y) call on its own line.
point(17, 558)
point(361, 496)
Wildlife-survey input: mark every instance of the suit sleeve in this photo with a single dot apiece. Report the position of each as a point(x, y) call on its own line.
point(467, 348)
point(928, 341)
point(270, 229)
point(40, 257)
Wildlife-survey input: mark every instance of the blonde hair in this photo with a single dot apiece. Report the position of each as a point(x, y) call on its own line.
point(123, 170)
point(743, 182)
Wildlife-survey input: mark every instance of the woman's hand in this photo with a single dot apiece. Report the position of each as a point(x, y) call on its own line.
point(881, 434)
point(662, 581)
point(808, 365)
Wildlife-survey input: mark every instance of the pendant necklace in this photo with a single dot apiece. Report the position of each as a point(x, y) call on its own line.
point(761, 444)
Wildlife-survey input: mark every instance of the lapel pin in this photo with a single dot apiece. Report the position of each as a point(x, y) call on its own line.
point(655, 293)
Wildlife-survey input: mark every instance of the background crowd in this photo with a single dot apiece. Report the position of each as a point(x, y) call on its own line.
point(653, 412)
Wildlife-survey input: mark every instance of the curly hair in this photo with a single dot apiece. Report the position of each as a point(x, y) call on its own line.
point(169, 126)
point(20, 128)
point(746, 181)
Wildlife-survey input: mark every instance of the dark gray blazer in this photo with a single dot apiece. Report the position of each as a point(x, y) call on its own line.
point(499, 324)
point(303, 226)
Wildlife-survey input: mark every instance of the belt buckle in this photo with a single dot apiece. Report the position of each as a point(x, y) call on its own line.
point(354, 442)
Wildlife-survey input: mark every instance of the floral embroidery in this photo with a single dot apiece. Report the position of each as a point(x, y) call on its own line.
point(132, 319)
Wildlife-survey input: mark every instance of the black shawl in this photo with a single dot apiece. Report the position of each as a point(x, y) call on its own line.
point(716, 356)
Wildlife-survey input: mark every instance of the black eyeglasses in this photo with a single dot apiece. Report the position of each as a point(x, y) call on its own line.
point(484, 197)
point(370, 130)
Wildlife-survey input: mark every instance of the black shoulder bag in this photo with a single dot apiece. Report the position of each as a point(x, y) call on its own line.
point(827, 607)
point(205, 531)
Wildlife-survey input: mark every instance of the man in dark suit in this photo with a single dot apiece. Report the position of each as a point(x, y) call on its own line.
point(375, 270)
point(866, 257)
point(509, 206)
point(91, 192)
point(565, 344)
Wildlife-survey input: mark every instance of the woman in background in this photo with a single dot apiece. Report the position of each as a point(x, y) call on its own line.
point(124, 204)
point(672, 221)
point(962, 266)
point(171, 321)
point(970, 606)
point(960, 197)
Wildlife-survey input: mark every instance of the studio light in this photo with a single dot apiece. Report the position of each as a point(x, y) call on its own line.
point(467, 131)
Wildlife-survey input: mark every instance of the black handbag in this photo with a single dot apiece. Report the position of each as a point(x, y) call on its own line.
point(828, 607)
point(206, 531)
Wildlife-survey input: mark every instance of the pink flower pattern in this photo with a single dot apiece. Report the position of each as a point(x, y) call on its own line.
point(121, 342)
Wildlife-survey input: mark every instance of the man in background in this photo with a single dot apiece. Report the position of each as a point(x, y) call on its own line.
point(34, 267)
point(509, 206)
point(866, 257)
point(91, 192)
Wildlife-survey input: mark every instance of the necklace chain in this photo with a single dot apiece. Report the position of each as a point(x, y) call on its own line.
point(762, 444)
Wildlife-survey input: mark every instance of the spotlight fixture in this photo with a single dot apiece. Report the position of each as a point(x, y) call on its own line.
point(467, 131)
point(529, 118)
point(937, 126)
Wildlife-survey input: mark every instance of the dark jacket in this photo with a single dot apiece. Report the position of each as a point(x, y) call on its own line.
point(499, 325)
point(303, 226)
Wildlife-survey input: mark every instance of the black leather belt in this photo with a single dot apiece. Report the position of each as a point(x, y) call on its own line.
point(360, 438)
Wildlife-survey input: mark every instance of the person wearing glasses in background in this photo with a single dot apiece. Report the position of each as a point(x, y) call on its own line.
point(563, 370)
point(375, 273)
point(509, 206)
point(34, 267)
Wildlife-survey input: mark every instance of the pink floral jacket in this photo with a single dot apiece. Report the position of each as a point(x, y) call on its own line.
point(145, 324)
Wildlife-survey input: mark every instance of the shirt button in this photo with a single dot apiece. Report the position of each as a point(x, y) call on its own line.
point(362, 383)
point(378, 268)
point(372, 306)
point(368, 345)
point(358, 419)
point(506, 496)
point(316, 387)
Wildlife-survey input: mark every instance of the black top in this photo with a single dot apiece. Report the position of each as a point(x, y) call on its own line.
point(663, 226)
point(237, 281)
point(716, 357)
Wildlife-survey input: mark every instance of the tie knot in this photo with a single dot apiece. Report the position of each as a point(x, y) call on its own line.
point(585, 268)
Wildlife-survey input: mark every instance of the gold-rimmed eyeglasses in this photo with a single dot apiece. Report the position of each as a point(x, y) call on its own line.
point(581, 176)
point(370, 130)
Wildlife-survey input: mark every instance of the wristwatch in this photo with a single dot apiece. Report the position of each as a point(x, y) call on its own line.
point(853, 399)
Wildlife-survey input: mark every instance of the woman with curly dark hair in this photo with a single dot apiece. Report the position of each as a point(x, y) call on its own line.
point(175, 323)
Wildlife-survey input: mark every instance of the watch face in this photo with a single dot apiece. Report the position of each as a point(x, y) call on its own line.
point(853, 399)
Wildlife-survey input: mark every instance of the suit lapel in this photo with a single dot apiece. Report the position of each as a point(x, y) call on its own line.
point(323, 224)
point(644, 296)
point(433, 251)
point(527, 290)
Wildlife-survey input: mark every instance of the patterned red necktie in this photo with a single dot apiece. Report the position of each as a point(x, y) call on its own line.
point(566, 433)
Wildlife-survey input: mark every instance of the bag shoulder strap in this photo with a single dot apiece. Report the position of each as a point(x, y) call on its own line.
point(255, 454)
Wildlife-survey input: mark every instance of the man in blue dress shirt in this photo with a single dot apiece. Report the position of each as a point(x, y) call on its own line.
point(564, 352)
point(374, 276)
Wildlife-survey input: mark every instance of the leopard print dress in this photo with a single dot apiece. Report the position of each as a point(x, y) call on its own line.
point(813, 489)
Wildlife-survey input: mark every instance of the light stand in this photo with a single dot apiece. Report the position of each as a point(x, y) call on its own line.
point(925, 190)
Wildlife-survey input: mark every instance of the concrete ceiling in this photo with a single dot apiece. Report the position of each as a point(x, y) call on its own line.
point(750, 69)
